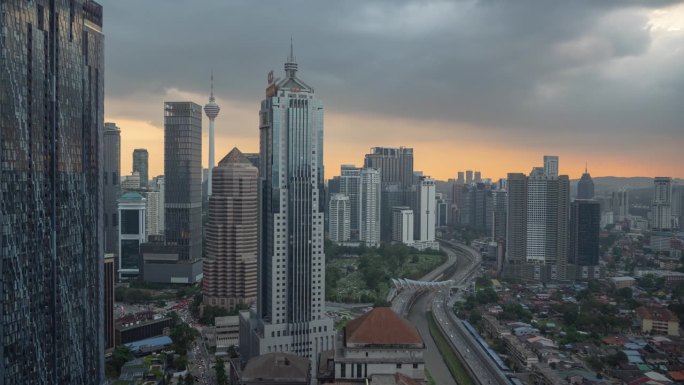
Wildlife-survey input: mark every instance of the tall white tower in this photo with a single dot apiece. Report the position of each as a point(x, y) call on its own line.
point(212, 110)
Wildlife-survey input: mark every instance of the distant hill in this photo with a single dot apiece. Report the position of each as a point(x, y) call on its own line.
point(615, 183)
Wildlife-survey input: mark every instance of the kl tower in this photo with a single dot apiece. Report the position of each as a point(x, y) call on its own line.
point(211, 109)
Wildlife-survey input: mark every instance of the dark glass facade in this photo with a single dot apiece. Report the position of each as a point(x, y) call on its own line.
point(183, 172)
point(130, 222)
point(585, 225)
point(140, 164)
point(111, 175)
point(51, 129)
point(130, 253)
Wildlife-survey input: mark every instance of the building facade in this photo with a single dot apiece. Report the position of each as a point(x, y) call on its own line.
point(51, 134)
point(111, 155)
point(141, 159)
point(290, 315)
point(339, 213)
point(369, 216)
point(183, 178)
point(230, 265)
point(402, 225)
point(585, 186)
point(350, 184)
point(132, 208)
point(661, 207)
point(109, 280)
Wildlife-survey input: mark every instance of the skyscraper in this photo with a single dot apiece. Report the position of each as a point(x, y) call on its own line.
point(132, 227)
point(395, 164)
point(109, 280)
point(460, 179)
point(427, 210)
point(370, 198)
point(290, 314)
point(620, 203)
point(51, 135)
point(183, 178)
point(339, 213)
point(212, 110)
point(661, 209)
point(551, 165)
point(402, 225)
point(141, 165)
point(585, 225)
point(516, 220)
point(478, 177)
point(230, 265)
point(111, 156)
point(350, 182)
point(469, 176)
point(585, 186)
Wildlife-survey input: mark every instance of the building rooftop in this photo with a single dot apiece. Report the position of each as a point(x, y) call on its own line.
point(656, 313)
point(131, 195)
point(235, 156)
point(281, 366)
point(381, 326)
point(150, 343)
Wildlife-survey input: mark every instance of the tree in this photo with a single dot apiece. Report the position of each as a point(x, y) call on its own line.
point(189, 380)
point(120, 356)
point(625, 293)
point(616, 359)
point(180, 362)
point(221, 376)
point(182, 336)
point(474, 317)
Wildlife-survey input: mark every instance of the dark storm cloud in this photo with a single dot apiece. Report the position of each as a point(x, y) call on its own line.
point(523, 67)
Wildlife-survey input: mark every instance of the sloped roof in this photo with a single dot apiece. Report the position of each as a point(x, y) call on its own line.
point(381, 326)
point(235, 156)
point(277, 366)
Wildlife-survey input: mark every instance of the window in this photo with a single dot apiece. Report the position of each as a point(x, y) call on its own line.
point(398, 366)
point(415, 366)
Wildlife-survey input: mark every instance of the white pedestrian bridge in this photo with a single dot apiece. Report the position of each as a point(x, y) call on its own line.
point(410, 284)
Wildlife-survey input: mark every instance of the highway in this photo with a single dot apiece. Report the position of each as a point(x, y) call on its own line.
point(481, 366)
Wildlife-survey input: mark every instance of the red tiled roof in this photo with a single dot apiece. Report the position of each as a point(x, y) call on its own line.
point(677, 376)
point(656, 313)
point(381, 326)
point(614, 341)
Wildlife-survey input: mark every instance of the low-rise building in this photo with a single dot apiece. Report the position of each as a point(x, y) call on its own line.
point(272, 369)
point(379, 343)
point(227, 332)
point(657, 320)
point(622, 282)
point(521, 356)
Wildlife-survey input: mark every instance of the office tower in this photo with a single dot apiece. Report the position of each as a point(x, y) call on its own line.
point(620, 205)
point(551, 165)
point(585, 186)
point(516, 219)
point(442, 210)
point(402, 225)
point(395, 164)
point(230, 267)
point(183, 173)
point(51, 134)
point(253, 157)
point(661, 210)
point(339, 213)
point(350, 183)
point(154, 206)
point(500, 210)
point(427, 210)
point(109, 279)
point(290, 314)
point(585, 222)
point(131, 182)
point(469, 176)
point(460, 179)
point(141, 165)
point(369, 214)
point(111, 169)
point(212, 110)
point(131, 233)
point(160, 186)
point(478, 177)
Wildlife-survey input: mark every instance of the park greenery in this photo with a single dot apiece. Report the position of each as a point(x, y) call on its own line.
point(221, 375)
point(456, 367)
point(362, 274)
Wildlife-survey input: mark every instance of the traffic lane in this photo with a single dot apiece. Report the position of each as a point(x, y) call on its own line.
point(433, 359)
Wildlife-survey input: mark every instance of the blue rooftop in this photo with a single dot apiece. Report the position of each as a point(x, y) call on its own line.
point(150, 343)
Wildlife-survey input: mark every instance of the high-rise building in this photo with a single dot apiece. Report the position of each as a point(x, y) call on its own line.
point(141, 161)
point(290, 314)
point(339, 213)
point(585, 186)
point(230, 265)
point(109, 279)
point(478, 177)
point(395, 164)
point(620, 203)
point(132, 208)
point(500, 210)
point(212, 110)
point(661, 209)
point(460, 178)
point(469, 176)
point(402, 225)
point(131, 182)
point(442, 210)
point(52, 190)
point(160, 186)
point(350, 183)
point(369, 215)
point(111, 169)
point(551, 165)
point(154, 206)
point(537, 224)
point(183, 178)
point(427, 210)
point(585, 222)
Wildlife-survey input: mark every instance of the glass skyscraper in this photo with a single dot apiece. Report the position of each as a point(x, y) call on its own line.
point(290, 314)
point(51, 130)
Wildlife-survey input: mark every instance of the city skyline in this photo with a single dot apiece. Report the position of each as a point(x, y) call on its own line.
point(587, 91)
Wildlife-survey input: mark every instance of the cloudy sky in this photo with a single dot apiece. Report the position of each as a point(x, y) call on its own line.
point(490, 85)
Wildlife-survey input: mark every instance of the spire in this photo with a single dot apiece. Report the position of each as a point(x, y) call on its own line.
point(211, 96)
point(291, 64)
point(585, 167)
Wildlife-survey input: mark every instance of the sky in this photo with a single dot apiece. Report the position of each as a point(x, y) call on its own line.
point(489, 85)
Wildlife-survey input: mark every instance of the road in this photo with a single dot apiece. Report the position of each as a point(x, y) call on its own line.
point(465, 345)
